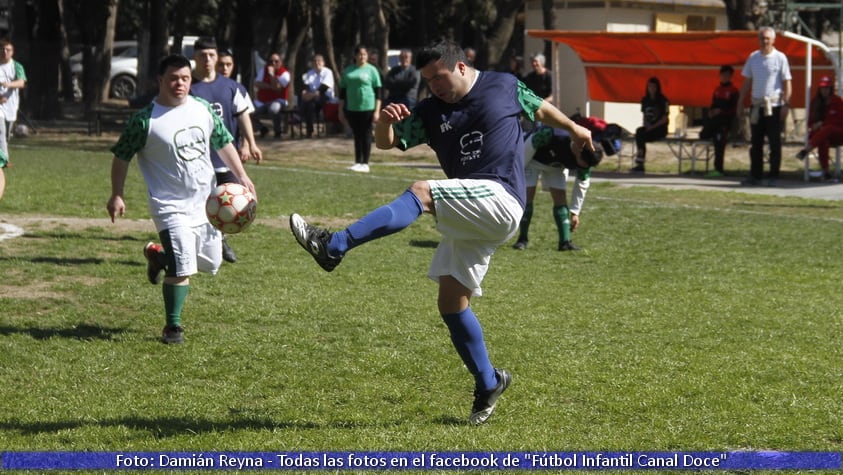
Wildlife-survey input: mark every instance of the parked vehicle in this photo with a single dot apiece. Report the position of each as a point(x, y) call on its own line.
point(123, 81)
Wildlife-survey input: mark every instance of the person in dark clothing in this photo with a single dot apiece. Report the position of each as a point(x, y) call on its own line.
point(721, 117)
point(654, 106)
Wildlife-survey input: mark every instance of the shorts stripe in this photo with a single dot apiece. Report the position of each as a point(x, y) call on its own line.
point(462, 192)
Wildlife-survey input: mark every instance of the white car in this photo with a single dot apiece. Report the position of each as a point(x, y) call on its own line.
point(123, 82)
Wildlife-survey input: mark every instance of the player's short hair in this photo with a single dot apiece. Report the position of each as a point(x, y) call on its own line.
point(447, 51)
point(540, 58)
point(727, 68)
point(205, 42)
point(176, 61)
point(225, 52)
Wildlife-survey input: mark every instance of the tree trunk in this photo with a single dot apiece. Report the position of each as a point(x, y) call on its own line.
point(43, 75)
point(244, 43)
point(549, 23)
point(381, 35)
point(327, 14)
point(498, 35)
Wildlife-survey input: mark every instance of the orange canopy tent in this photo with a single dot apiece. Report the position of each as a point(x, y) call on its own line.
point(617, 65)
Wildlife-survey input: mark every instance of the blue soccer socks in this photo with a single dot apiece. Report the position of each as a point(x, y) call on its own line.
point(383, 221)
point(467, 337)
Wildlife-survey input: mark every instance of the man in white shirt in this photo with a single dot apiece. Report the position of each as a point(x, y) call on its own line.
point(318, 90)
point(767, 74)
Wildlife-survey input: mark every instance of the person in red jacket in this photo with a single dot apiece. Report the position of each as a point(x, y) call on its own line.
point(272, 92)
point(721, 116)
point(826, 124)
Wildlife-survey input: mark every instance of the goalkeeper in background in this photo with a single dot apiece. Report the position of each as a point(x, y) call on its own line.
point(547, 152)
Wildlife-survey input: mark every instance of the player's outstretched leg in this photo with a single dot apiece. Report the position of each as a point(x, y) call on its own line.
point(315, 241)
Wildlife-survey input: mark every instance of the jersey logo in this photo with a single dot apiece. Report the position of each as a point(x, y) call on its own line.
point(217, 108)
point(190, 143)
point(445, 125)
point(470, 145)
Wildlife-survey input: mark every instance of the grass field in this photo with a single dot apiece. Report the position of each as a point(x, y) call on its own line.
point(691, 321)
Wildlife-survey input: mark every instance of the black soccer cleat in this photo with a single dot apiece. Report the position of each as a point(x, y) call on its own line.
point(485, 401)
point(228, 254)
point(315, 241)
point(172, 335)
point(520, 245)
point(568, 246)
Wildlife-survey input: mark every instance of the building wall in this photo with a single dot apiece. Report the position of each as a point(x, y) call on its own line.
point(616, 16)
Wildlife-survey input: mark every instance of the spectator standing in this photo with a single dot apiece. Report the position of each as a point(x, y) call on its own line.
point(540, 79)
point(402, 81)
point(654, 107)
point(360, 90)
point(470, 56)
point(224, 96)
point(318, 90)
point(826, 125)
point(172, 138)
point(12, 80)
point(471, 120)
point(721, 118)
point(273, 89)
point(516, 64)
point(768, 83)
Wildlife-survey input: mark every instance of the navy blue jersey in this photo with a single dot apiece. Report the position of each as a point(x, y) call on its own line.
point(222, 95)
point(480, 136)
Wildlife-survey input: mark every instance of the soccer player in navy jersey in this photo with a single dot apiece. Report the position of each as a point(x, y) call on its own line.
point(471, 121)
point(225, 97)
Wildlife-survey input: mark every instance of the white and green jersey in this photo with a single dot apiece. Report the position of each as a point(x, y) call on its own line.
point(9, 72)
point(173, 145)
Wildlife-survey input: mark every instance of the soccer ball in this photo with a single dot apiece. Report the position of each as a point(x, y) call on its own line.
point(231, 208)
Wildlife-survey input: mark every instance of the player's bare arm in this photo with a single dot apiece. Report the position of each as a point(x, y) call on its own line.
point(116, 206)
point(229, 155)
point(249, 149)
point(392, 113)
point(580, 136)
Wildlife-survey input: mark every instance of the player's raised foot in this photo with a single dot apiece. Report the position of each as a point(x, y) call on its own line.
point(315, 241)
point(172, 335)
point(568, 246)
point(485, 401)
point(520, 245)
point(228, 254)
point(154, 255)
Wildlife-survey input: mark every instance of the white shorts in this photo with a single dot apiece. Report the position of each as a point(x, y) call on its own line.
point(552, 177)
point(194, 249)
point(474, 218)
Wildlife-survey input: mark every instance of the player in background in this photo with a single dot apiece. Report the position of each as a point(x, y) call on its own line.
point(548, 153)
point(172, 138)
point(248, 147)
point(721, 117)
point(12, 80)
point(229, 104)
point(472, 122)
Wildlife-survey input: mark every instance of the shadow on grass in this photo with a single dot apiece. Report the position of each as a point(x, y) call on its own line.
point(79, 332)
point(424, 243)
point(163, 427)
point(79, 235)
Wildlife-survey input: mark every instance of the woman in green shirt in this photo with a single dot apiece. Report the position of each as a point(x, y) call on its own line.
point(360, 90)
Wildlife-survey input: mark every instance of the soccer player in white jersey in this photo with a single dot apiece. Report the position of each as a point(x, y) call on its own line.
point(12, 80)
point(173, 137)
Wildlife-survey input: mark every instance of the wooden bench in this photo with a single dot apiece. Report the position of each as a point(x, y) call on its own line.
point(683, 148)
point(112, 117)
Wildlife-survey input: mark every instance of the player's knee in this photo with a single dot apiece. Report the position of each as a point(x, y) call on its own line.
point(422, 191)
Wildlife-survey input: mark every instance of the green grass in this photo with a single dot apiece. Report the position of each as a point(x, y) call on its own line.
point(691, 321)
